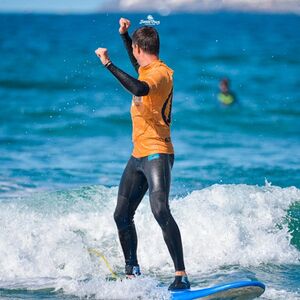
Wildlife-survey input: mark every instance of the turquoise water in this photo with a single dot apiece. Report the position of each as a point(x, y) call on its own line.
point(65, 136)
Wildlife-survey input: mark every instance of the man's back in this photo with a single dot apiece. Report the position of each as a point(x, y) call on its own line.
point(151, 114)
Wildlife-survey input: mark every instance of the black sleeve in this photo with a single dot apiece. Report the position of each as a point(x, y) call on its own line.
point(134, 86)
point(128, 45)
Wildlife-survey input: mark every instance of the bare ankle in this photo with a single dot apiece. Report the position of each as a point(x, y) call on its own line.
point(180, 273)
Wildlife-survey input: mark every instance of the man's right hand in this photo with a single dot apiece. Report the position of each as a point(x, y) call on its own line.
point(103, 55)
point(124, 25)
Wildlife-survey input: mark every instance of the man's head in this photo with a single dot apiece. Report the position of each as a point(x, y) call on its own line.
point(145, 39)
point(224, 85)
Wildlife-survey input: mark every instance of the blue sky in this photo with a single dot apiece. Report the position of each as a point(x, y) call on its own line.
point(50, 5)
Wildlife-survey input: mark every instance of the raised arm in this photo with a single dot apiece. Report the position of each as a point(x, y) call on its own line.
point(134, 86)
point(123, 30)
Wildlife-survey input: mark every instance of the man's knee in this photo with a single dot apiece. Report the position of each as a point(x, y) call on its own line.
point(160, 208)
point(121, 213)
point(118, 217)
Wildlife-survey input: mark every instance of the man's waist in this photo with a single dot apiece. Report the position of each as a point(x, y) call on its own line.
point(150, 139)
point(144, 149)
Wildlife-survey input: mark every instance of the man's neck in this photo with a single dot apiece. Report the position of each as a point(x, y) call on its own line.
point(147, 60)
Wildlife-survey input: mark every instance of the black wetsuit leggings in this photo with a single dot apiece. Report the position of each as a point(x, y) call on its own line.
point(153, 172)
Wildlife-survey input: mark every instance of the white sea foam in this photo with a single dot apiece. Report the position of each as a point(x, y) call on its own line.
point(280, 294)
point(44, 239)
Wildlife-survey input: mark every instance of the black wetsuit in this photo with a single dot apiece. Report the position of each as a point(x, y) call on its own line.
point(152, 172)
point(140, 175)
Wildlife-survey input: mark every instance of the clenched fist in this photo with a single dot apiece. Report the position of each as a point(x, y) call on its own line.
point(124, 25)
point(103, 55)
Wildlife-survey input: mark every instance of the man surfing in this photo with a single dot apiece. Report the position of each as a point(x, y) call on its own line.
point(149, 167)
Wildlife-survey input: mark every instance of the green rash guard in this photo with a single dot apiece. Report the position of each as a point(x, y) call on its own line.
point(226, 99)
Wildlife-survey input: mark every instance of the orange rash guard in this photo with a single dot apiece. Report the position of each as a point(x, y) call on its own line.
point(151, 114)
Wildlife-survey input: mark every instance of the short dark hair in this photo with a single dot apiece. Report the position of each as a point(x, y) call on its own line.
point(225, 81)
point(147, 39)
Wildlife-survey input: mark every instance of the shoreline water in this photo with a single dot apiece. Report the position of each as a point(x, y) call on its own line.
point(230, 232)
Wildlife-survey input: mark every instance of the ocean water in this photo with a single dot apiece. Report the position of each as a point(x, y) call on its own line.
point(65, 137)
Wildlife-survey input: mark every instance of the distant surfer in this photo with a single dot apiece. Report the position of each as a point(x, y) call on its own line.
point(150, 164)
point(225, 96)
